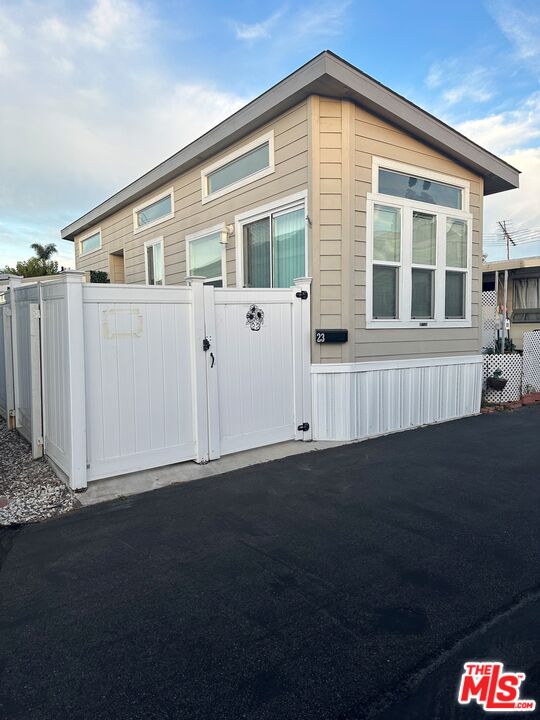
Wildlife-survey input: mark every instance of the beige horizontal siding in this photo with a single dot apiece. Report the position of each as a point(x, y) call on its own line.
point(375, 137)
point(190, 215)
point(342, 136)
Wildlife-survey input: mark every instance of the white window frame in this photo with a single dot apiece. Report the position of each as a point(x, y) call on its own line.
point(208, 197)
point(151, 243)
point(220, 228)
point(290, 202)
point(150, 201)
point(405, 264)
point(380, 163)
point(85, 237)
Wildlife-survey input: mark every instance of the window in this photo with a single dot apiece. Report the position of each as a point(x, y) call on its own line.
point(526, 293)
point(153, 257)
point(386, 259)
point(249, 163)
point(419, 189)
point(419, 249)
point(89, 243)
point(272, 251)
point(526, 300)
point(206, 255)
point(153, 211)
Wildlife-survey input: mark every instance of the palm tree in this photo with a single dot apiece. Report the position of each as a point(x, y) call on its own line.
point(44, 252)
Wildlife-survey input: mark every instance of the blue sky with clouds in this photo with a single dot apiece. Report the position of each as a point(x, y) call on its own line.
point(95, 93)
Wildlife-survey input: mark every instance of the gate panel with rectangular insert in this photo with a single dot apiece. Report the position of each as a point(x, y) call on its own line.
point(255, 398)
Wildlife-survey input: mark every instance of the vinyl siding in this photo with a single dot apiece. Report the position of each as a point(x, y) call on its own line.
point(190, 215)
point(344, 139)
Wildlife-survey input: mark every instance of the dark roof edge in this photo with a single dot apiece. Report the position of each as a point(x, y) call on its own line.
point(325, 74)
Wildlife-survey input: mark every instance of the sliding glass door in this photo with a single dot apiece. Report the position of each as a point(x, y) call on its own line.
point(275, 249)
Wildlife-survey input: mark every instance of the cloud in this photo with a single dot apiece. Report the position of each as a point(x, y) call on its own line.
point(87, 106)
point(503, 133)
point(256, 31)
point(520, 23)
point(519, 207)
point(455, 86)
point(323, 19)
point(513, 135)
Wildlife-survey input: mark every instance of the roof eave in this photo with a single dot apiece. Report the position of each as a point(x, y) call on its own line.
point(329, 75)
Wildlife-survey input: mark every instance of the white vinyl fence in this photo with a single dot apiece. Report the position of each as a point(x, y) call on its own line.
point(3, 379)
point(111, 379)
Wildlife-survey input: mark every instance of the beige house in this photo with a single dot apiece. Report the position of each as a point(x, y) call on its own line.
point(522, 280)
point(331, 175)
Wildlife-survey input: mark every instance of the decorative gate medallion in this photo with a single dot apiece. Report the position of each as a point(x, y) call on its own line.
point(255, 317)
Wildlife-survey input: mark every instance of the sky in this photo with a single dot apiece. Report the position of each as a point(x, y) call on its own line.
point(94, 93)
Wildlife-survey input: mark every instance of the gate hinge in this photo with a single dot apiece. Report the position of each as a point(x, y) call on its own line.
point(206, 344)
point(302, 294)
point(36, 313)
point(304, 427)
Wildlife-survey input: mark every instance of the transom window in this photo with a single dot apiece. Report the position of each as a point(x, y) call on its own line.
point(153, 211)
point(251, 162)
point(90, 243)
point(155, 271)
point(419, 256)
point(206, 256)
point(274, 246)
point(420, 189)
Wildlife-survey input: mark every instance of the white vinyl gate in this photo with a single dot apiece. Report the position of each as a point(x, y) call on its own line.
point(139, 378)
point(136, 376)
point(255, 346)
point(28, 369)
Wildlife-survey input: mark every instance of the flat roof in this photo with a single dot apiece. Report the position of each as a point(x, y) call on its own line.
point(517, 264)
point(328, 75)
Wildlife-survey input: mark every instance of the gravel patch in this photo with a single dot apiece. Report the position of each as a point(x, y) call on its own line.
point(30, 487)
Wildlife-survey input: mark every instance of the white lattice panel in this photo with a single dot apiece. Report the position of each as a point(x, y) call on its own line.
point(510, 365)
point(531, 361)
point(489, 314)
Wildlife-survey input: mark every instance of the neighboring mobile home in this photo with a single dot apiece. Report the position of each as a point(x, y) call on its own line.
point(522, 293)
point(331, 175)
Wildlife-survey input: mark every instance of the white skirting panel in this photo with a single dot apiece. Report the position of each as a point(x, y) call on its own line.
point(352, 401)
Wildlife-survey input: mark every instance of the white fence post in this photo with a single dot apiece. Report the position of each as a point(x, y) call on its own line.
point(13, 397)
point(35, 381)
point(76, 379)
point(198, 363)
point(302, 346)
point(214, 439)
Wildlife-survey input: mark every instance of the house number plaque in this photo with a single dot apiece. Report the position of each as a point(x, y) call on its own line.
point(331, 336)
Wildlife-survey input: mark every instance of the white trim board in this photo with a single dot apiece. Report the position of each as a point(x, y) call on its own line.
point(395, 364)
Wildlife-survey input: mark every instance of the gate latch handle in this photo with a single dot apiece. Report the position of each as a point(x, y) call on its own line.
point(206, 344)
point(213, 360)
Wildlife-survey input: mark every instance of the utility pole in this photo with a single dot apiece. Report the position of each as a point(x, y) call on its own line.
point(507, 237)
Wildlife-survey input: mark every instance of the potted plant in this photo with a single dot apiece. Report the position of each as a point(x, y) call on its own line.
point(530, 395)
point(496, 381)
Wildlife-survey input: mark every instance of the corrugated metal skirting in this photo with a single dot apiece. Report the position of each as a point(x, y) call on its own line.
point(361, 400)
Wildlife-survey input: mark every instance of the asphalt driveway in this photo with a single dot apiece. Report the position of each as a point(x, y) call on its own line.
point(348, 583)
